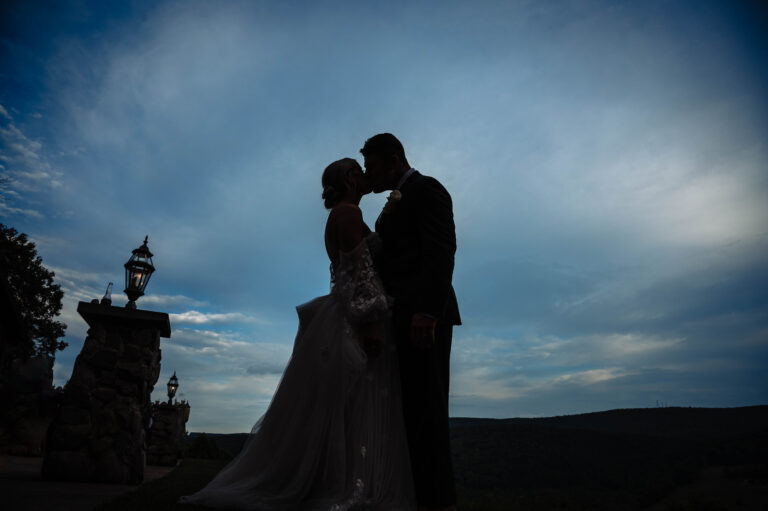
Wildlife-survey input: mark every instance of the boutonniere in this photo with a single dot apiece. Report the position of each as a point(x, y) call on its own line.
point(392, 200)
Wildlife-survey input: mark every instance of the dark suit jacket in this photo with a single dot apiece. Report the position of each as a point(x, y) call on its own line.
point(419, 243)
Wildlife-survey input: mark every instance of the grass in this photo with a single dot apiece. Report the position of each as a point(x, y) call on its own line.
point(162, 494)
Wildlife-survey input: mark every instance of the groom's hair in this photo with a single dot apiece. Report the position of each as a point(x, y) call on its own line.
point(383, 146)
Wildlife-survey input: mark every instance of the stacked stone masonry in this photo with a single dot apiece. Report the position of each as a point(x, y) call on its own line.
point(99, 432)
point(167, 433)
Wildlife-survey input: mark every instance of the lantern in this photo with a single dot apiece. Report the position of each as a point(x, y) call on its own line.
point(173, 384)
point(138, 269)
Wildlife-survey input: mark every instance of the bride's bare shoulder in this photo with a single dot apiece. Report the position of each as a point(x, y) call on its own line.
point(345, 227)
point(345, 214)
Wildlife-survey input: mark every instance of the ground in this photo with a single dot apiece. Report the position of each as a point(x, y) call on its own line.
point(670, 459)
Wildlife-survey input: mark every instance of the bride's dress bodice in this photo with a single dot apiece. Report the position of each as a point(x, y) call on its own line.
point(357, 285)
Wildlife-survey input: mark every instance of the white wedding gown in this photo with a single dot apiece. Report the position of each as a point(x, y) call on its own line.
point(333, 437)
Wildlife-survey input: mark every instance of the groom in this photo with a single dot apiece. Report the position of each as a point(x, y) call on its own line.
point(416, 266)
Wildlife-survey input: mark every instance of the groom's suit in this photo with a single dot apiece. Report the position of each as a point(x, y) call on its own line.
point(416, 267)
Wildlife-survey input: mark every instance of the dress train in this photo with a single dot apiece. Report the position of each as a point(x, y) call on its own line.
point(332, 438)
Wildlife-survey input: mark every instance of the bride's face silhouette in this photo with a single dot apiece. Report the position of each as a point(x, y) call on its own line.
point(358, 180)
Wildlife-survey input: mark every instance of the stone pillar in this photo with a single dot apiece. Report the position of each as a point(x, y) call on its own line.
point(166, 436)
point(98, 433)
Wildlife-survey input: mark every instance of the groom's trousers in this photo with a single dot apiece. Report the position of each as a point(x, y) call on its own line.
point(424, 374)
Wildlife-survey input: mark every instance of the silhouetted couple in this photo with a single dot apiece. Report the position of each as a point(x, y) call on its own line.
point(360, 417)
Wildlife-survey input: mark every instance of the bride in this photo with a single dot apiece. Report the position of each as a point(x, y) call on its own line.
point(333, 437)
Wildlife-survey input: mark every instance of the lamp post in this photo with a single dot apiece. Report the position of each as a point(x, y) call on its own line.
point(120, 356)
point(138, 269)
point(173, 384)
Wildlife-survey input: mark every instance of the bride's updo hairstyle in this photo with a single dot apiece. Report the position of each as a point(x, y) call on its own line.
point(334, 181)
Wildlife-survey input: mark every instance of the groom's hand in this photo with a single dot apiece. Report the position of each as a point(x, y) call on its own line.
point(423, 330)
point(372, 338)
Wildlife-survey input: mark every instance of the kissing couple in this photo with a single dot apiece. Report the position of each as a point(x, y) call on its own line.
point(360, 417)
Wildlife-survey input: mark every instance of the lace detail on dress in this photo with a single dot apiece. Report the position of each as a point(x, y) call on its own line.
point(355, 501)
point(355, 280)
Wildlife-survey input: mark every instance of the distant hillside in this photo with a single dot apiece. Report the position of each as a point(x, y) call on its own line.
point(662, 422)
point(231, 443)
point(618, 459)
point(668, 422)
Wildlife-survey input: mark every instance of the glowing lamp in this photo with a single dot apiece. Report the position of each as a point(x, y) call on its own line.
point(138, 269)
point(173, 384)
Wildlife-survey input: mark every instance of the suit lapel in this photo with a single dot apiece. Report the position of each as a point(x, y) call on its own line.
point(383, 217)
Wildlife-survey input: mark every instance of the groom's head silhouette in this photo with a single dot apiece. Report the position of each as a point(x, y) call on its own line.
point(385, 161)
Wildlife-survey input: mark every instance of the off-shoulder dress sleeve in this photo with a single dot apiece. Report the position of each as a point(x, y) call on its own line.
point(358, 284)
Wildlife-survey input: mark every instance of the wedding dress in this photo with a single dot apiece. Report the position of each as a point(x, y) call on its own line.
point(332, 438)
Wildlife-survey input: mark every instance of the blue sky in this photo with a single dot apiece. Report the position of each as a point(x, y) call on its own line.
point(608, 163)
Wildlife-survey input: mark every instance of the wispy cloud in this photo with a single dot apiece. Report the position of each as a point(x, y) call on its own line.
point(221, 370)
point(202, 318)
point(10, 211)
point(533, 375)
point(173, 301)
point(26, 171)
point(625, 348)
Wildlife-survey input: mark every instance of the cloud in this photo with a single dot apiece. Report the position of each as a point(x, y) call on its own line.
point(27, 175)
point(229, 404)
point(266, 367)
point(87, 285)
point(534, 376)
point(23, 152)
point(225, 351)
point(173, 301)
point(541, 392)
point(229, 378)
point(9, 211)
point(591, 376)
point(71, 277)
point(626, 348)
point(200, 318)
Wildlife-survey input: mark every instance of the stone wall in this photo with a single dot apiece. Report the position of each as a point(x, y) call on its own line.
point(166, 436)
point(98, 433)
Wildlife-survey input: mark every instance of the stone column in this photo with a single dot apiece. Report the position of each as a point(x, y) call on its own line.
point(166, 436)
point(99, 433)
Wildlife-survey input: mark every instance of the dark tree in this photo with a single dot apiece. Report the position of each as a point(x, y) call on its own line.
point(36, 298)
